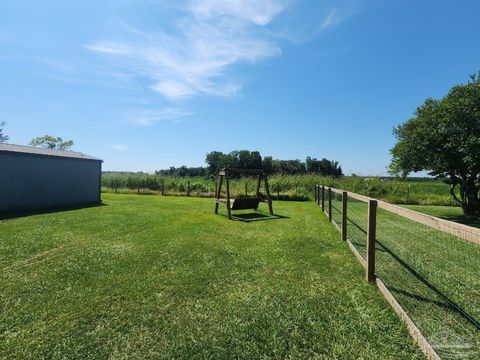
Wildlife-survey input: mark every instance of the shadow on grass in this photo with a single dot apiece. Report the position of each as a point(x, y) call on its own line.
point(50, 210)
point(255, 216)
point(422, 298)
point(358, 245)
point(465, 220)
point(447, 302)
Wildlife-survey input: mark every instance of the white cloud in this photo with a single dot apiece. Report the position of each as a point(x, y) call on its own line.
point(119, 147)
point(151, 117)
point(109, 48)
point(211, 36)
point(173, 89)
point(329, 20)
point(257, 12)
point(335, 17)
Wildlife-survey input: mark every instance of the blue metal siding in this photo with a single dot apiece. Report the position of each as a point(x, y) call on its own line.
point(30, 182)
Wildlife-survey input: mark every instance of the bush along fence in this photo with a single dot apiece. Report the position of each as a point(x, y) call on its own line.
point(426, 267)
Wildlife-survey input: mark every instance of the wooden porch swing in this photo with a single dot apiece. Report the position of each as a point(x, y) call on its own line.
point(242, 203)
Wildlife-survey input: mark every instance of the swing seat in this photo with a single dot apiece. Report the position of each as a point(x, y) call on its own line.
point(245, 203)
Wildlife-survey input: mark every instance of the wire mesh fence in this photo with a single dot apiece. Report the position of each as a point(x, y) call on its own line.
point(357, 217)
point(432, 271)
point(336, 208)
point(435, 277)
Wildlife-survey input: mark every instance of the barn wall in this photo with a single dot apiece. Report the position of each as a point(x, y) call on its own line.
point(29, 182)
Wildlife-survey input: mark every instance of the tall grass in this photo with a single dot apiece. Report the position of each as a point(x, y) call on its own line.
point(288, 187)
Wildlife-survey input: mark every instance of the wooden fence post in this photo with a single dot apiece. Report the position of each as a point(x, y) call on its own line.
point(163, 187)
point(227, 185)
point(188, 188)
point(344, 215)
point(371, 230)
point(316, 193)
point(330, 204)
point(323, 198)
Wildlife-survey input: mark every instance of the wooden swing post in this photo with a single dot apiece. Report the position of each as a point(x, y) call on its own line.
point(242, 203)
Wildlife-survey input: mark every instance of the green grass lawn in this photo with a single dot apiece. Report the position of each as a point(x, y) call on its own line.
point(152, 277)
point(433, 275)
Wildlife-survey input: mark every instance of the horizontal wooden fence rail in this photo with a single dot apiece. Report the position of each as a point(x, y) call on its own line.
point(459, 230)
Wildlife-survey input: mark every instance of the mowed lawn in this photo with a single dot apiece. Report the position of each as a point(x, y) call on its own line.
point(163, 277)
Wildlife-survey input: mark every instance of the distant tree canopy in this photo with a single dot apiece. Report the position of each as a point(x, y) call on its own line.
point(324, 167)
point(245, 159)
point(242, 159)
point(444, 139)
point(183, 171)
point(51, 142)
point(3, 137)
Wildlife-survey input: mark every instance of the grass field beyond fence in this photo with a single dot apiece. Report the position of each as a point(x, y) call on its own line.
point(163, 277)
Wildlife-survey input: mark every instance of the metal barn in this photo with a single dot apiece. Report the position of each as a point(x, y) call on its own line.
point(34, 178)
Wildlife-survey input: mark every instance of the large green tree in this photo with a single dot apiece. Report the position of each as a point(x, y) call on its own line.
point(3, 137)
point(51, 142)
point(443, 138)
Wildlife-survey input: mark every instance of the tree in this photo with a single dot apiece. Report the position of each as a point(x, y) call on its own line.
point(3, 137)
point(214, 161)
point(51, 142)
point(443, 138)
point(267, 164)
point(242, 159)
point(323, 167)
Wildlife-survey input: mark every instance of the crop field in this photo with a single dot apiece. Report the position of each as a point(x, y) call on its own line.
point(289, 187)
point(163, 277)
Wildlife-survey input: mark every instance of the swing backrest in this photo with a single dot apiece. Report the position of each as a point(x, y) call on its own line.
point(245, 203)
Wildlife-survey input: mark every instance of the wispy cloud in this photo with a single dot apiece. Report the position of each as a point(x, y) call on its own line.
point(329, 20)
point(211, 36)
point(255, 11)
point(335, 17)
point(151, 117)
point(120, 147)
point(110, 48)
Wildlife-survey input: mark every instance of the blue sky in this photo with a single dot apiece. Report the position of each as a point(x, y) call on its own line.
point(146, 84)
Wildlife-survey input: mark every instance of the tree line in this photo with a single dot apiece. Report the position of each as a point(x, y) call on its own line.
point(245, 159)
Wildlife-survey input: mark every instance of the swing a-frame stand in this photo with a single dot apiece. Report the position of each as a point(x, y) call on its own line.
point(242, 203)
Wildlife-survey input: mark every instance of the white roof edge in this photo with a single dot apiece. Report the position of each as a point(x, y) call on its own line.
point(22, 149)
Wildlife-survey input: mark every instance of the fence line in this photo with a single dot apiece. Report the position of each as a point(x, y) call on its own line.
point(369, 263)
point(460, 230)
point(405, 244)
